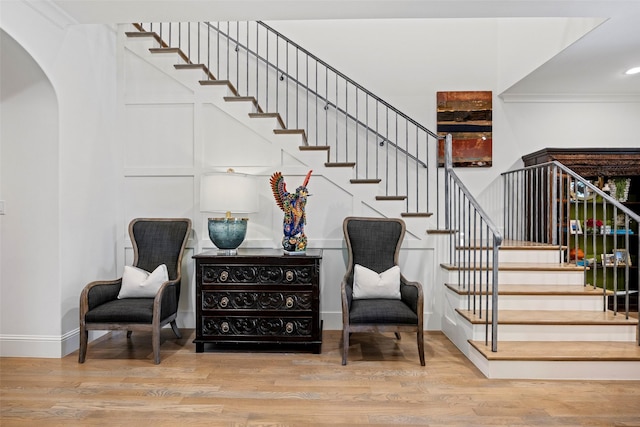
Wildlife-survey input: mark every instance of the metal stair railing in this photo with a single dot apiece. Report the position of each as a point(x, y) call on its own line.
point(473, 248)
point(550, 203)
point(358, 128)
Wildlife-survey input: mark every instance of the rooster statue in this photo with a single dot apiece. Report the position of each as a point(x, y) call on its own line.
point(293, 205)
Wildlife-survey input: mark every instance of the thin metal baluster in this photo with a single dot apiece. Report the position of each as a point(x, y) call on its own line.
point(306, 70)
point(266, 68)
point(218, 72)
point(199, 48)
point(286, 87)
point(316, 104)
point(297, 86)
point(228, 48)
point(386, 160)
point(337, 108)
point(357, 131)
point(277, 72)
point(247, 60)
point(209, 48)
point(326, 106)
point(237, 50)
point(406, 161)
point(396, 153)
point(366, 135)
point(377, 135)
point(346, 121)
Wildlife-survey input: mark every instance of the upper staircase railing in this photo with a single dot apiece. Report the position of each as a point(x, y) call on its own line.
point(474, 246)
point(550, 203)
point(356, 127)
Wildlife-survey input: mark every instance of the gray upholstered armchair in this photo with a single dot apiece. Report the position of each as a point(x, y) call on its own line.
point(374, 243)
point(155, 241)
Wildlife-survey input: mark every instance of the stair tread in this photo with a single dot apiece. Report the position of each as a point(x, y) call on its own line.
point(415, 214)
point(520, 266)
point(550, 317)
point(561, 351)
point(514, 245)
point(391, 198)
point(365, 181)
point(551, 290)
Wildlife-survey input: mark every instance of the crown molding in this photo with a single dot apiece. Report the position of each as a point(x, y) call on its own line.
point(570, 97)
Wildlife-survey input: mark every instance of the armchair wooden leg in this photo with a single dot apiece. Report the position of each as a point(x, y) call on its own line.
point(421, 346)
point(176, 331)
point(398, 336)
point(129, 334)
point(84, 338)
point(155, 342)
point(345, 345)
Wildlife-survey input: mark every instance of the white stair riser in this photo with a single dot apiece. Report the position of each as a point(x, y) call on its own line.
point(529, 256)
point(555, 370)
point(532, 302)
point(559, 332)
point(514, 255)
point(520, 277)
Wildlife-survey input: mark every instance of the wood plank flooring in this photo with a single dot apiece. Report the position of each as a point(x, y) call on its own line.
point(383, 384)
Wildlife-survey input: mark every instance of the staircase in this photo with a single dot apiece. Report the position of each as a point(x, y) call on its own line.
point(550, 325)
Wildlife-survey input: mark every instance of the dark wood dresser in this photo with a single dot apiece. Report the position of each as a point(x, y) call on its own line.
point(258, 299)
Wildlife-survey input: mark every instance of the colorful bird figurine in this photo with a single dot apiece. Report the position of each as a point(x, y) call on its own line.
point(293, 205)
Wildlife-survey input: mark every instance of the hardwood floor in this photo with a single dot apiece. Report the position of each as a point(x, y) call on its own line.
point(383, 384)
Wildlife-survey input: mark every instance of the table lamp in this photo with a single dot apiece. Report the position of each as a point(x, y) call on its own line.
point(228, 192)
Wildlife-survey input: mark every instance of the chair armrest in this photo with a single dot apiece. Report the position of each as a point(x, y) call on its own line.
point(99, 292)
point(411, 294)
point(166, 300)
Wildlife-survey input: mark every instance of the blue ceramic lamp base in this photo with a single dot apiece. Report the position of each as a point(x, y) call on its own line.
point(227, 234)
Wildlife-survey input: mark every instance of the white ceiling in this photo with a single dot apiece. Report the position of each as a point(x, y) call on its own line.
point(591, 67)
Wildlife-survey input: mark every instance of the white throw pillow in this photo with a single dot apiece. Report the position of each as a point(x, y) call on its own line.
point(368, 284)
point(138, 283)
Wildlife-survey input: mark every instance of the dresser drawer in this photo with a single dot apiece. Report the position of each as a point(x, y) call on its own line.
point(247, 327)
point(255, 300)
point(277, 274)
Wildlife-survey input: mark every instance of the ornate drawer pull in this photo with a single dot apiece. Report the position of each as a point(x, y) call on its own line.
point(225, 327)
point(289, 327)
point(224, 301)
point(288, 275)
point(289, 302)
point(224, 276)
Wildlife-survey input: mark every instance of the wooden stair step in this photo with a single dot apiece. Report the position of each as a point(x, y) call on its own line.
point(212, 82)
point(140, 34)
point(541, 290)
point(440, 231)
point(340, 164)
point(365, 181)
point(314, 148)
point(518, 266)
point(560, 351)
point(550, 317)
point(191, 66)
point(391, 198)
point(416, 214)
point(300, 132)
point(508, 245)
point(264, 115)
point(238, 98)
point(164, 50)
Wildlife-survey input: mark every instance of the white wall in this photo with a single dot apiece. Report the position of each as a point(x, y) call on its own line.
point(59, 179)
point(132, 142)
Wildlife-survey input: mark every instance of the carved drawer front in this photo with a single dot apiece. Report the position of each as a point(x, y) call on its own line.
point(256, 300)
point(229, 326)
point(295, 274)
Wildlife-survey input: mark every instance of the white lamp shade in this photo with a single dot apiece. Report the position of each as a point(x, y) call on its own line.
point(228, 192)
